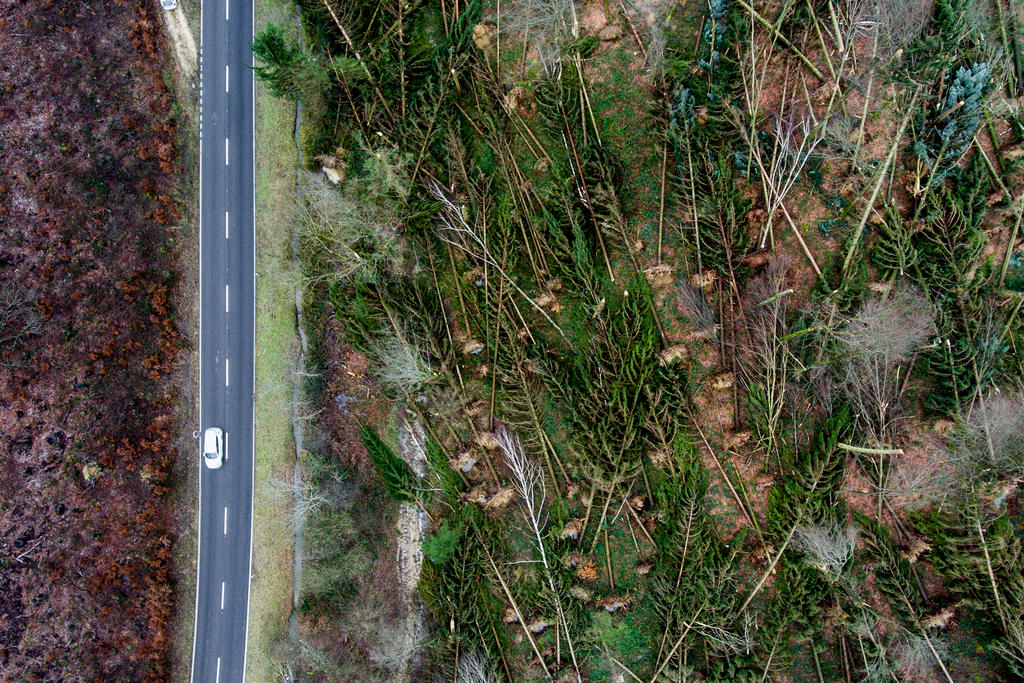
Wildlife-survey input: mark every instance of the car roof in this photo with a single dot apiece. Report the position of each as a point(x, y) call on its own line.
point(210, 437)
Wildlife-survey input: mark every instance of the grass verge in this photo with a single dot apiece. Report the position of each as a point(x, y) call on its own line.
point(276, 348)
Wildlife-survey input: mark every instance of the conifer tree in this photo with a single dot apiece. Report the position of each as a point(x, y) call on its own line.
point(288, 70)
point(398, 479)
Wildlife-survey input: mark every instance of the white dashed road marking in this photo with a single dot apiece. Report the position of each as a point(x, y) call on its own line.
point(227, 152)
point(225, 521)
point(226, 214)
point(227, 375)
point(227, 78)
point(222, 595)
point(227, 298)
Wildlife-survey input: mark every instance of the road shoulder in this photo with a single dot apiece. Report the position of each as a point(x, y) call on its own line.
point(270, 599)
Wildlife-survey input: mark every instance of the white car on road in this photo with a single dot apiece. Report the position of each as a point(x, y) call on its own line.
point(169, 4)
point(213, 447)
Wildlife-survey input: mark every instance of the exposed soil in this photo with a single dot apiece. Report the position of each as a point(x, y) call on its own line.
point(412, 523)
point(185, 51)
point(88, 344)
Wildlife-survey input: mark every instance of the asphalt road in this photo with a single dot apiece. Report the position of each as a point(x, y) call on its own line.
point(226, 338)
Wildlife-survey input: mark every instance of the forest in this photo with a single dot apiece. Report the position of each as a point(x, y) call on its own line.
point(89, 343)
point(700, 321)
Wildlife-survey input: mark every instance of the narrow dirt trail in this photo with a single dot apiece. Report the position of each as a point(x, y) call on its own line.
point(410, 527)
point(185, 51)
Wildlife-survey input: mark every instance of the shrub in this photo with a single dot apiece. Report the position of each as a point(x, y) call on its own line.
point(829, 546)
point(438, 546)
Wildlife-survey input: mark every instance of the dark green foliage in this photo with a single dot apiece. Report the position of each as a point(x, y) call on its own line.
point(808, 489)
point(951, 267)
point(807, 492)
point(949, 251)
point(759, 410)
point(287, 69)
point(444, 477)
point(893, 252)
point(959, 544)
point(950, 364)
point(586, 173)
point(1015, 273)
point(604, 385)
point(946, 258)
point(527, 174)
point(439, 546)
point(714, 38)
point(460, 38)
point(358, 308)
point(394, 472)
point(710, 69)
point(457, 591)
point(978, 553)
point(584, 47)
point(705, 147)
point(946, 41)
point(895, 578)
point(845, 290)
point(406, 307)
point(793, 615)
point(695, 571)
point(949, 16)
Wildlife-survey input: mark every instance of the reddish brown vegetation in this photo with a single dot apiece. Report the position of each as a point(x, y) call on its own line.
point(87, 164)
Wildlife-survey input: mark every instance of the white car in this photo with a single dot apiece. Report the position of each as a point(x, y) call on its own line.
point(213, 447)
point(169, 4)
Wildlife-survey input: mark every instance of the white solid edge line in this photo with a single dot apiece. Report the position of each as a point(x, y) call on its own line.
point(252, 441)
point(199, 463)
point(222, 594)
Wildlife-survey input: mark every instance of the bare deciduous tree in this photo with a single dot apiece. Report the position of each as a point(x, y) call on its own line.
point(305, 497)
point(828, 546)
point(401, 366)
point(899, 22)
point(528, 480)
point(350, 231)
point(19, 319)
point(793, 140)
point(766, 374)
point(991, 434)
point(474, 667)
point(697, 307)
point(922, 482)
point(917, 655)
point(873, 345)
